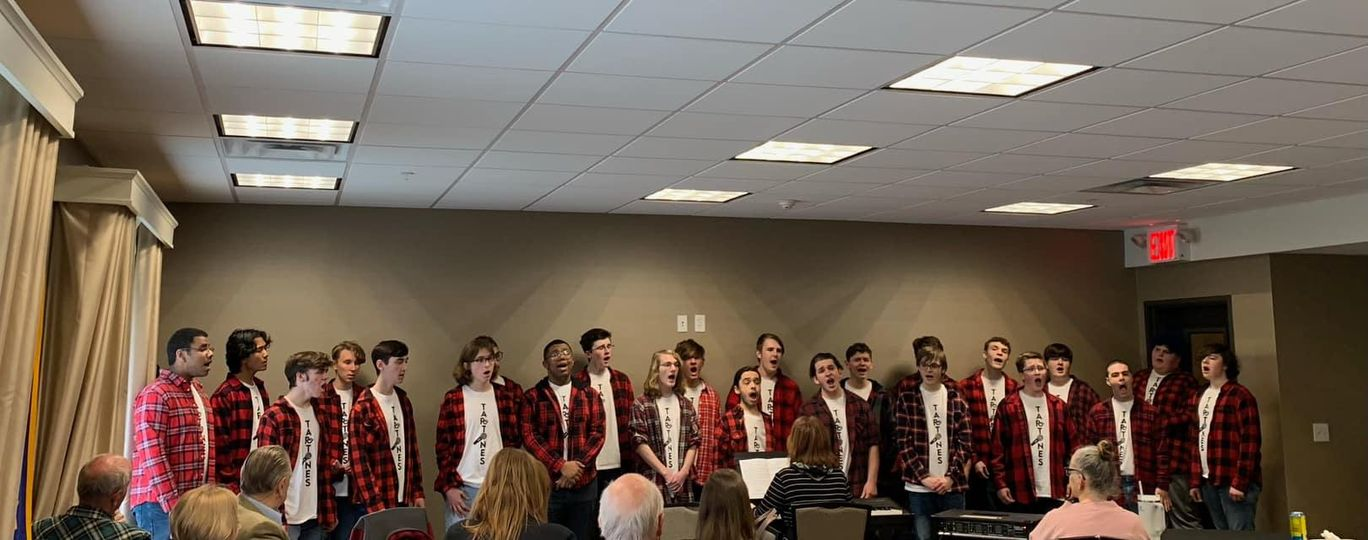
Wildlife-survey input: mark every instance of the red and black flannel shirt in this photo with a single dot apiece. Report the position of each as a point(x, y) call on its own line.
point(232, 404)
point(280, 425)
point(623, 397)
point(451, 433)
point(971, 391)
point(709, 414)
point(169, 454)
point(1011, 465)
point(1152, 460)
point(647, 428)
point(787, 400)
point(1234, 440)
point(330, 405)
point(375, 483)
point(881, 404)
point(914, 439)
point(1175, 393)
point(1082, 397)
point(541, 428)
point(731, 436)
point(862, 430)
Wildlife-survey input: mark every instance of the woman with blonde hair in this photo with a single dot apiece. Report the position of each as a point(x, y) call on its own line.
point(724, 509)
point(208, 512)
point(664, 430)
point(813, 476)
point(512, 504)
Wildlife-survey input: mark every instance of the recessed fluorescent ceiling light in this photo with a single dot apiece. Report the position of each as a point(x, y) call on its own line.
point(286, 28)
point(285, 181)
point(1048, 209)
point(991, 76)
point(1222, 172)
point(694, 195)
point(796, 152)
point(282, 127)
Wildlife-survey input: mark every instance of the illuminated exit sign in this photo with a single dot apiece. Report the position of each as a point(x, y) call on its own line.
point(1166, 245)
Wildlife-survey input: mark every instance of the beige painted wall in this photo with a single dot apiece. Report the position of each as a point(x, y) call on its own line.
point(314, 276)
point(1318, 301)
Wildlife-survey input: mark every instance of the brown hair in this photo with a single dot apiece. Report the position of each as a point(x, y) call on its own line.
point(724, 510)
point(652, 384)
point(304, 362)
point(516, 492)
point(461, 372)
point(810, 444)
point(208, 512)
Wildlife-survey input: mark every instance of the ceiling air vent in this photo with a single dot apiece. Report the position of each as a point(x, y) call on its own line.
point(1151, 186)
point(299, 150)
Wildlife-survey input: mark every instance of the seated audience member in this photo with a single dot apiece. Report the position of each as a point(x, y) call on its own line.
point(813, 476)
point(266, 476)
point(632, 509)
point(101, 485)
point(208, 512)
point(724, 510)
point(1093, 479)
point(512, 503)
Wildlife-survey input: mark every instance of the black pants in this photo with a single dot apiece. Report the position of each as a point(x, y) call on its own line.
point(576, 509)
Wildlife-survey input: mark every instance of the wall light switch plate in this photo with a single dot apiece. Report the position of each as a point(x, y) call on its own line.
point(1320, 432)
point(700, 323)
point(681, 323)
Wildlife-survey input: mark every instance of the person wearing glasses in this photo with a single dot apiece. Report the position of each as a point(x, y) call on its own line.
point(386, 470)
point(562, 426)
point(1093, 481)
point(1032, 432)
point(474, 423)
point(239, 403)
point(173, 438)
point(615, 389)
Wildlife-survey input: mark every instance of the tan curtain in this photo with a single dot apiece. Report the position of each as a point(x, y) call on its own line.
point(28, 170)
point(83, 381)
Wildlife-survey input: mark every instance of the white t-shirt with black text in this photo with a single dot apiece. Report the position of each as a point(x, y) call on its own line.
point(482, 437)
point(394, 421)
point(1038, 429)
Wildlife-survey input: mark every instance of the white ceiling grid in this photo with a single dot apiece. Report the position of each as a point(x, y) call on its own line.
point(587, 106)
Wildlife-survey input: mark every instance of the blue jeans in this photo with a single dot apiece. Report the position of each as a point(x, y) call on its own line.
point(309, 530)
point(575, 509)
point(1129, 495)
point(925, 505)
point(348, 513)
point(1228, 514)
point(451, 517)
point(151, 518)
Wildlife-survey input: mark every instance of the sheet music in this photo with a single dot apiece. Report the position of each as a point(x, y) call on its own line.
point(758, 472)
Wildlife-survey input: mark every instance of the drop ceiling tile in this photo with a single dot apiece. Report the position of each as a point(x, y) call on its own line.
point(1345, 67)
point(958, 179)
point(1349, 109)
point(1134, 87)
point(460, 82)
point(914, 107)
point(382, 134)
point(303, 197)
point(1245, 51)
point(501, 178)
point(761, 171)
point(220, 66)
point(763, 99)
point(662, 208)
point(473, 44)
point(640, 56)
point(171, 95)
point(833, 68)
point(560, 143)
point(1304, 156)
point(862, 175)
point(573, 199)
point(533, 161)
point(479, 197)
point(387, 185)
point(1170, 123)
point(1352, 140)
point(768, 21)
point(973, 139)
point(297, 103)
point(1090, 146)
point(674, 148)
point(1093, 40)
point(920, 27)
point(851, 132)
point(1269, 97)
point(583, 14)
point(285, 166)
point(1198, 152)
point(1042, 116)
point(455, 113)
point(726, 184)
point(422, 157)
point(1328, 16)
point(88, 59)
point(629, 165)
point(926, 160)
point(602, 120)
point(625, 92)
point(152, 122)
point(1286, 131)
point(1212, 11)
point(1022, 165)
point(723, 126)
point(623, 181)
point(1119, 169)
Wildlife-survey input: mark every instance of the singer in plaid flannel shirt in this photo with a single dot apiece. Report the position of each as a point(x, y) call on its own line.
point(935, 464)
point(562, 426)
point(731, 431)
point(281, 425)
point(861, 430)
point(1226, 455)
point(664, 459)
point(1150, 458)
point(473, 373)
point(236, 410)
point(783, 404)
point(704, 400)
point(1013, 473)
point(375, 469)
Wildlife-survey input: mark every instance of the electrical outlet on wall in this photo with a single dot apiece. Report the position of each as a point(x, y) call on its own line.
point(1320, 432)
point(681, 323)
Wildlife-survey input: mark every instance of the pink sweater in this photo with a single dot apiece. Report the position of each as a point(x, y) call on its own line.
point(1090, 519)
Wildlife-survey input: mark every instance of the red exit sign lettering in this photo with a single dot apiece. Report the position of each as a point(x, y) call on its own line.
point(1163, 245)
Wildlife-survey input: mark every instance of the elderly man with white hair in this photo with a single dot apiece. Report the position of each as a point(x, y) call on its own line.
point(101, 485)
point(632, 509)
